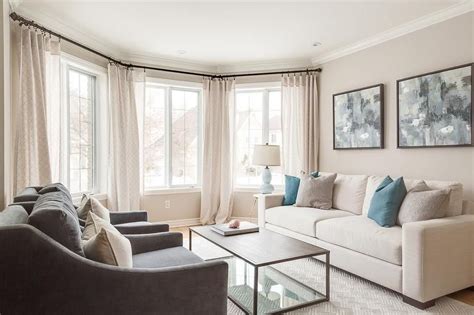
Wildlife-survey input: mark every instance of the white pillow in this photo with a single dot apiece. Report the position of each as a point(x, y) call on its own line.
point(94, 224)
point(109, 247)
point(89, 204)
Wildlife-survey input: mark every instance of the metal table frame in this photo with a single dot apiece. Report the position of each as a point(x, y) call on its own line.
point(325, 298)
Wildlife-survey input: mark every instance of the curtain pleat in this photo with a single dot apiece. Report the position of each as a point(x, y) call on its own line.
point(31, 150)
point(300, 123)
point(217, 179)
point(124, 166)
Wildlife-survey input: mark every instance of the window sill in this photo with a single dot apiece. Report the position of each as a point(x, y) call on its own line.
point(172, 191)
point(256, 190)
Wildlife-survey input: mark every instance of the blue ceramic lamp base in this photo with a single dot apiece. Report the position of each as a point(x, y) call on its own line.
point(266, 187)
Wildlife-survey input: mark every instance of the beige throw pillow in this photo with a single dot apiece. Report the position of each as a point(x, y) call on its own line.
point(89, 204)
point(316, 192)
point(94, 224)
point(421, 203)
point(109, 247)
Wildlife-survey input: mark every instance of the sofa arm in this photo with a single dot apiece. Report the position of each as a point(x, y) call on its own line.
point(80, 284)
point(142, 243)
point(143, 228)
point(266, 201)
point(117, 217)
point(438, 257)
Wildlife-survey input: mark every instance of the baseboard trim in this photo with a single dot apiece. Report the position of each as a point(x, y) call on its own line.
point(182, 222)
point(418, 304)
point(196, 221)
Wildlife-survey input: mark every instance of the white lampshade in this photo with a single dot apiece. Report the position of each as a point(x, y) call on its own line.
point(266, 155)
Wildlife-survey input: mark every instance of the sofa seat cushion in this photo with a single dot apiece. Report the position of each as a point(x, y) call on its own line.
point(301, 219)
point(169, 257)
point(363, 235)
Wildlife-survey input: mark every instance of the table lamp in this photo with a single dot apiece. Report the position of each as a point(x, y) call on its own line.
point(266, 155)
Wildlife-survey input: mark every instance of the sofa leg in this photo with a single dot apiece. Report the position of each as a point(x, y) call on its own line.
point(418, 304)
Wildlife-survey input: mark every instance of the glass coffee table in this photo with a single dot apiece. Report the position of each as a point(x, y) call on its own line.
point(254, 285)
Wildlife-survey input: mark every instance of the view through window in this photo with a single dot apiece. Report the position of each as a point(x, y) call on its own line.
point(257, 121)
point(81, 146)
point(172, 136)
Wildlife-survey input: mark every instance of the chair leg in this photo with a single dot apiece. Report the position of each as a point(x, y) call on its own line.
point(418, 304)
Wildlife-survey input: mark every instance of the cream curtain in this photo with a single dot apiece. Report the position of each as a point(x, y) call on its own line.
point(31, 154)
point(124, 159)
point(54, 111)
point(300, 123)
point(216, 195)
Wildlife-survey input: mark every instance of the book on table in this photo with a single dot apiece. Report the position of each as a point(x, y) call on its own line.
point(224, 229)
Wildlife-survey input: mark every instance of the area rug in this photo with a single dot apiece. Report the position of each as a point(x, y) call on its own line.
point(349, 294)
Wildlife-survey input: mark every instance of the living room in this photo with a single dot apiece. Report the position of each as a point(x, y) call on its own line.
point(253, 157)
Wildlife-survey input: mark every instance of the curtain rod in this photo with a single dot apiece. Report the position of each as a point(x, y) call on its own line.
point(23, 21)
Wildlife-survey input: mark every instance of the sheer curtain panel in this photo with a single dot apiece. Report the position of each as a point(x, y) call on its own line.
point(31, 152)
point(217, 179)
point(300, 123)
point(124, 158)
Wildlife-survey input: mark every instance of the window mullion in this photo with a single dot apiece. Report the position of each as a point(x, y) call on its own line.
point(265, 117)
point(168, 113)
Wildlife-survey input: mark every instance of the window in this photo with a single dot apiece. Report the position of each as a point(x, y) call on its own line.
point(257, 121)
point(79, 126)
point(171, 136)
point(81, 141)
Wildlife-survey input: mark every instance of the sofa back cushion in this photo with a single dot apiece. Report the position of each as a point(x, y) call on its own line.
point(55, 187)
point(52, 215)
point(27, 194)
point(453, 204)
point(349, 192)
point(13, 215)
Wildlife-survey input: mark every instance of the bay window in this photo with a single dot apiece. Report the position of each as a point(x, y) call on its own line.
point(81, 127)
point(257, 121)
point(171, 136)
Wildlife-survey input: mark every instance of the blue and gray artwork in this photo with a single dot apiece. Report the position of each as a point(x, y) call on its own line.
point(435, 109)
point(357, 119)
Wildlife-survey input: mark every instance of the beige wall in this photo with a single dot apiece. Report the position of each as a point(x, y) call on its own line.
point(443, 45)
point(182, 206)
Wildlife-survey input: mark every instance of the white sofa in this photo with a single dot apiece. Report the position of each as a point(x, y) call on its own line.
point(421, 260)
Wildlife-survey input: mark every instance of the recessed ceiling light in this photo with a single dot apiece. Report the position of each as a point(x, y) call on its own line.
point(316, 44)
point(181, 51)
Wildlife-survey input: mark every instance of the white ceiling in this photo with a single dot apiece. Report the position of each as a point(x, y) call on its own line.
point(227, 34)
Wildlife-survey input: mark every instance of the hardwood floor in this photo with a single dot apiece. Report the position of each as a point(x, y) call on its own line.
point(465, 296)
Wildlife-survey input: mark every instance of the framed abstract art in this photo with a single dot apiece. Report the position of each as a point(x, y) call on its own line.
point(435, 109)
point(358, 118)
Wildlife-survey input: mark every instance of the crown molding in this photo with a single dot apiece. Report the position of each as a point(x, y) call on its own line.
point(170, 63)
point(111, 49)
point(410, 27)
point(273, 65)
point(146, 58)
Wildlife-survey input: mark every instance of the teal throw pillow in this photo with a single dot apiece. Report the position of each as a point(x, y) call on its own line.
point(386, 202)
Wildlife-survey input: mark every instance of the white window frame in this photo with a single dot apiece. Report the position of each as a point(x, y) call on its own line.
point(169, 86)
point(266, 88)
point(100, 114)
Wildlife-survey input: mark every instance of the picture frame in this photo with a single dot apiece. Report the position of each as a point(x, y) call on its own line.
point(358, 118)
point(435, 109)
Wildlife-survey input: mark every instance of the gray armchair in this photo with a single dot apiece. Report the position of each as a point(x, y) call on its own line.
point(43, 277)
point(127, 222)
